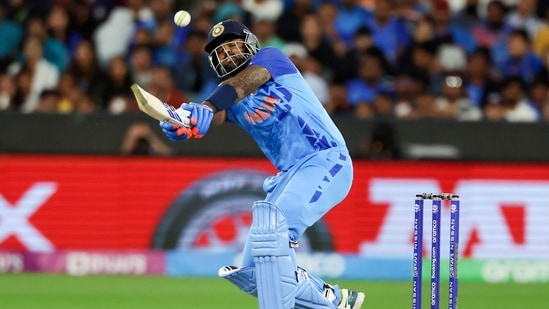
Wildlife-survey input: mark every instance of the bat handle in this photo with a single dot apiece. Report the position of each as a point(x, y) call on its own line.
point(185, 116)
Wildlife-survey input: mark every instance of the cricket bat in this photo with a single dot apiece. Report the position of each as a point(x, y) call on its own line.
point(154, 107)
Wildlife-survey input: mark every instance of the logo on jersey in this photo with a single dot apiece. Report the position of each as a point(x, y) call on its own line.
point(276, 97)
point(263, 112)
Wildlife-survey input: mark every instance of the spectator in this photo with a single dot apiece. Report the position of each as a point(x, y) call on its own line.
point(384, 103)
point(423, 33)
point(113, 36)
point(479, 76)
point(327, 14)
point(382, 144)
point(523, 16)
point(454, 103)
point(467, 16)
point(496, 47)
point(310, 69)
point(8, 91)
point(493, 110)
point(424, 106)
point(389, 32)
point(289, 24)
point(229, 9)
point(48, 102)
point(447, 33)
point(407, 87)
point(83, 104)
point(54, 50)
point(265, 30)
point(166, 45)
point(141, 140)
point(193, 74)
point(86, 71)
point(422, 61)
point(58, 28)
point(202, 23)
point(162, 87)
point(512, 105)
point(162, 10)
point(117, 85)
point(85, 17)
point(65, 87)
point(493, 31)
point(141, 64)
point(411, 11)
point(263, 9)
point(521, 61)
point(338, 102)
point(316, 44)
point(41, 74)
point(372, 79)
point(11, 34)
point(23, 85)
point(142, 36)
point(350, 17)
point(347, 65)
point(539, 95)
point(72, 99)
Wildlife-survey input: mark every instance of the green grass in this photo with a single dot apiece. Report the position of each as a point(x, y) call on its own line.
point(60, 291)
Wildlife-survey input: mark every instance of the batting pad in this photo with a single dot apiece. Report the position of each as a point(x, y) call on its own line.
point(243, 278)
point(308, 297)
point(270, 243)
point(307, 294)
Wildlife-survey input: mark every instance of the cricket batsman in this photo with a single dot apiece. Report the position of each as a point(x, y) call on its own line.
point(263, 93)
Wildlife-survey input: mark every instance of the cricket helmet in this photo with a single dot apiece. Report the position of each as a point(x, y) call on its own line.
point(222, 45)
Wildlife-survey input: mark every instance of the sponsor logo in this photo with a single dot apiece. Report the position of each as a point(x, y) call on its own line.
point(81, 263)
point(11, 263)
point(218, 30)
point(14, 219)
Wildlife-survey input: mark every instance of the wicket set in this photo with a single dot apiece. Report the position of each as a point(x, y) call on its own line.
point(435, 249)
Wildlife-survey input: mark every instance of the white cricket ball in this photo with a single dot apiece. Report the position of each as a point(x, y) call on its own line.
point(182, 18)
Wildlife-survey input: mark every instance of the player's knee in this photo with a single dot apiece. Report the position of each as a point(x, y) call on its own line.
point(269, 235)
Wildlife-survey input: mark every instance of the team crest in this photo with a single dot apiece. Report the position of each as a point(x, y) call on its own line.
point(217, 30)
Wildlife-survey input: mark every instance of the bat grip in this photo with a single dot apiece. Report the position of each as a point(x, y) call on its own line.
point(185, 116)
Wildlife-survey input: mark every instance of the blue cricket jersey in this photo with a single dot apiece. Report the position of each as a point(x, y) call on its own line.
point(284, 116)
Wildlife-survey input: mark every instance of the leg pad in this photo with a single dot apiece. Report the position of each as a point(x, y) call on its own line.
point(243, 278)
point(307, 294)
point(270, 244)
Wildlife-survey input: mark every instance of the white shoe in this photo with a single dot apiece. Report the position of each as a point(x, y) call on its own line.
point(351, 299)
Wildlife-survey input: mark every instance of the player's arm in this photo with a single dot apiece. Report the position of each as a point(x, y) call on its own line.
point(235, 89)
point(249, 80)
point(212, 110)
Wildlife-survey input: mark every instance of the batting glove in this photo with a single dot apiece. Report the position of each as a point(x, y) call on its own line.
point(175, 133)
point(201, 118)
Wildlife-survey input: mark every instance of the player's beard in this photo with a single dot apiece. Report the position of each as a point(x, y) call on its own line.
point(233, 62)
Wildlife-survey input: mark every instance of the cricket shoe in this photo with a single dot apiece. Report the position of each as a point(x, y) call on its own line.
point(351, 299)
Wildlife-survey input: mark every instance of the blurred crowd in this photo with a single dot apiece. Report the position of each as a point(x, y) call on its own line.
point(467, 60)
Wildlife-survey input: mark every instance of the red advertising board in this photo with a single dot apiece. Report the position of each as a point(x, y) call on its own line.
point(108, 202)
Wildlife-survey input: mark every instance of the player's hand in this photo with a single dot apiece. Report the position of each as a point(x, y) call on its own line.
point(201, 118)
point(175, 133)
